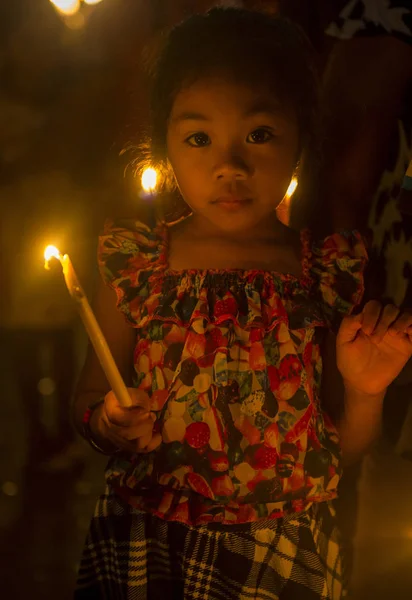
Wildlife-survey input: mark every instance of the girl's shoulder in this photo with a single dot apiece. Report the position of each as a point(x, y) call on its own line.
point(130, 255)
point(130, 244)
point(334, 266)
point(341, 244)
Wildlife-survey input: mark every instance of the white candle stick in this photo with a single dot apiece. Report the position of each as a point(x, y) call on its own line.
point(92, 327)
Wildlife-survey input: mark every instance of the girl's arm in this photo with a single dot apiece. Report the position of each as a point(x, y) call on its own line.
point(120, 337)
point(360, 425)
point(357, 416)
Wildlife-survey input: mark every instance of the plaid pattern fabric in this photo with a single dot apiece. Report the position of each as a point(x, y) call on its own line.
point(137, 556)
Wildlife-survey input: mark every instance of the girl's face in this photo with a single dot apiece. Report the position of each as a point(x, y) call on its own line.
point(233, 151)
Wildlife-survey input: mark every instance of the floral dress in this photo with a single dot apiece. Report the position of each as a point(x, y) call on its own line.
point(230, 362)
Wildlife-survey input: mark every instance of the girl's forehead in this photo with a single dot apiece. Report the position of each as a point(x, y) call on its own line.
point(214, 93)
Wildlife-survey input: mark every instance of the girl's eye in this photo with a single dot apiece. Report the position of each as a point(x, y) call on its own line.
point(259, 136)
point(198, 140)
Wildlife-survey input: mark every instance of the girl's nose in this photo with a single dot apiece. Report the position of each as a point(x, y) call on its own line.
point(232, 165)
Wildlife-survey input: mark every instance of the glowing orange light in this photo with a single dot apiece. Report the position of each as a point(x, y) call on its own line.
point(149, 180)
point(49, 253)
point(92, 2)
point(67, 7)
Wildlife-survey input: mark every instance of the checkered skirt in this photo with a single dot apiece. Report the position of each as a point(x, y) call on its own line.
point(137, 556)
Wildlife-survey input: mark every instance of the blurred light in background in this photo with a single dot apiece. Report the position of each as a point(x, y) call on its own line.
point(46, 386)
point(76, 21)
point(66, 7)
point(9, 488)
point(149, 180)
point(91, 2)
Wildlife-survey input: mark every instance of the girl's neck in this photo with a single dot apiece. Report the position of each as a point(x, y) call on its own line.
point(194, 245)
point(269, 231)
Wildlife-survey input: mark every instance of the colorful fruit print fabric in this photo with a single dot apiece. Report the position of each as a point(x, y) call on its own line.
point(230, 361)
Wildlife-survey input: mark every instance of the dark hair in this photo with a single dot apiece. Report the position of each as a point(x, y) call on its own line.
point(250, 47)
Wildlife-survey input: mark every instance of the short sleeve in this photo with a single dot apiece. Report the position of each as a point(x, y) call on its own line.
point(369, 18)
point(129, 258)
point(336, 271)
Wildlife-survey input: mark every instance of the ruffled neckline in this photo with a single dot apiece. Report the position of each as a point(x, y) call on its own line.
point(133, 259)
point(162, 231)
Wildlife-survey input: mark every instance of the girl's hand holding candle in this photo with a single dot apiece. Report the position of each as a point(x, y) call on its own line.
point(112, 421)
point(125, 429)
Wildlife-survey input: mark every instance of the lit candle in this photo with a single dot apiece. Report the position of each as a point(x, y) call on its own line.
point(149, 180)
point(92, 327)
point(149, 183)
point(292, 188)
point(283, 210)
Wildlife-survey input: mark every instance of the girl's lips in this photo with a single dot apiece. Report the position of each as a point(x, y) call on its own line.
point(232, 203)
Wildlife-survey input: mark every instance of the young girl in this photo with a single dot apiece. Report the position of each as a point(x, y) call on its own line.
point(221, 477)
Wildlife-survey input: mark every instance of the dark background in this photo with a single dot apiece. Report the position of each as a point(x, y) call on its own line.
point(72, 96)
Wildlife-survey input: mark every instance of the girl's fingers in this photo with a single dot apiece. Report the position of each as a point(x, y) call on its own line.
point(117, 440)
point(387, 319)
point(144, 441)
point(131, 439)
point(139, 398)
point(154, 443)
point(118, 415)
point(130, 429)
point(402, 323)
point(349, 329)
point(142, 431)
point(141, 427)
point(370, 316)
point(141, 444)
point(125, 417)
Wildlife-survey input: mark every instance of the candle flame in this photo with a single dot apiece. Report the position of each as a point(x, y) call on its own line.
point(49, 253)
point(292, 188)
point(67, 7)
point(149, 180)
